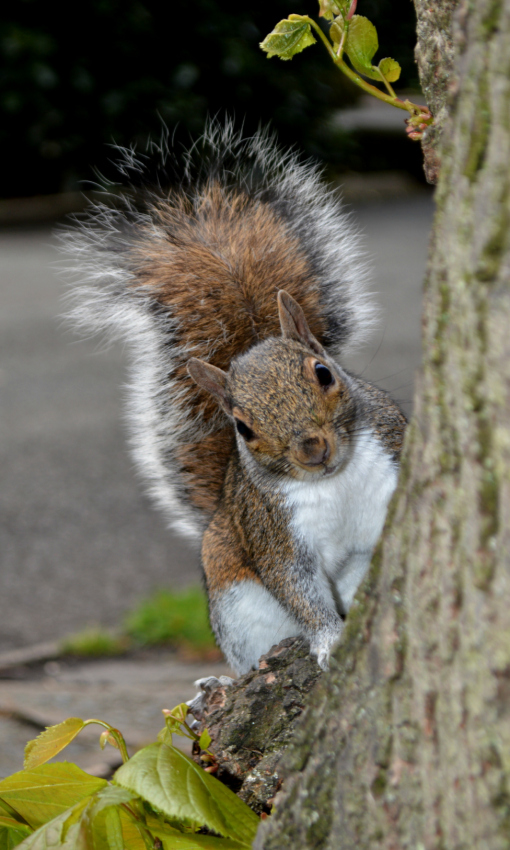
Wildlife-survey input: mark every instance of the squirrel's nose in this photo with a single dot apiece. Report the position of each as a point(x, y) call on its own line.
point(315, 450)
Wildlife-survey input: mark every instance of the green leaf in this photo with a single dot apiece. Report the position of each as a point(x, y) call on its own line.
point(92, 824)
point(113, 828)
point(204, 740)
point(8, 811)
point(172, 726)
point(53, 835)
point(42, 793)
point(165, 736)
point(172, 783)
point(12, 832)
point(51, 741)
point(112, 795)
point(361, 45)
point(287, 39)
point(180, 712)
point(390, 69)
point(331, 9)
point(179, 837)
point(131, 835)
point(174, 720)
point(96, 816)
point(171, 839)
point(336, 31)
point(175, 839)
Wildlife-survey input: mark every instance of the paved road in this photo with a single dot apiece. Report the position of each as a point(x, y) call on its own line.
point(79, 542)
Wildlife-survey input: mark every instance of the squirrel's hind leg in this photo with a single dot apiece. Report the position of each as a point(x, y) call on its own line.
point(247, 621)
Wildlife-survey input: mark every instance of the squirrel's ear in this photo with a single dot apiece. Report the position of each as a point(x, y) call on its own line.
point(211, 379)
point(294, 324)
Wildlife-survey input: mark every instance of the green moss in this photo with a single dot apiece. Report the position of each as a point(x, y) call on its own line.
point(483, 310)
point(379, 784)
point(444, 315)
point(320, 815)
point(489, 504)
point(488, 492)
point(483, 570)
point(479, 131)
point(491, 18)
point(488, 497)
point(489, 263)
point(449, 456)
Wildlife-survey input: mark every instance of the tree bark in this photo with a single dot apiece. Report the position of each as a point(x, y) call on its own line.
point(407, 743)
point(252, 721)
point(434, 55)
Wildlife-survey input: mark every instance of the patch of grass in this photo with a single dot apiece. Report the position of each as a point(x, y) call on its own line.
point(93, 642)
point(180, 619)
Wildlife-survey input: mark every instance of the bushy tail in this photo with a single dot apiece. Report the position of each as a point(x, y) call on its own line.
point(194, 271)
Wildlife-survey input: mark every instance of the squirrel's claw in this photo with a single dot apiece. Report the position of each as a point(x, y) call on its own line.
point(322, 644)
point(210, 683)
point(205, 687)
point(323, 660)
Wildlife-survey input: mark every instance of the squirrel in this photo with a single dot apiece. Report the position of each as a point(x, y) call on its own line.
point(238, 289)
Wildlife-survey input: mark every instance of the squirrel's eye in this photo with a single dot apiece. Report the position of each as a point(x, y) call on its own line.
point(324, 376)
point(244, 431)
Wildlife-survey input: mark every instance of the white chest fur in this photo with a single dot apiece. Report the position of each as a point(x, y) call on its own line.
point(339, 519)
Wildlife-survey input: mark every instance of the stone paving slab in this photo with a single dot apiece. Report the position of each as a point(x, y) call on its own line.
point(128, 693)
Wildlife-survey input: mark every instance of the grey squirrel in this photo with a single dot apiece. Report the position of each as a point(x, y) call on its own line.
point(237, 292)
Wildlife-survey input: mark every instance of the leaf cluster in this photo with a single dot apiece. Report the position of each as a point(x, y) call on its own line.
point(353, 37)
point(159, 798)
point(351, 34)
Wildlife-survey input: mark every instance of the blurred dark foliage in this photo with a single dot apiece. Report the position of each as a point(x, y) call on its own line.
point(75, 77)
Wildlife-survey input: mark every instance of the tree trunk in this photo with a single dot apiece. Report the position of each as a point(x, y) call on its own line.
point(407, 744)
point(434, 55)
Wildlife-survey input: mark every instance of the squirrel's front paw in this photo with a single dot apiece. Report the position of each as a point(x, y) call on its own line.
point(322, 643)
point(205, 687)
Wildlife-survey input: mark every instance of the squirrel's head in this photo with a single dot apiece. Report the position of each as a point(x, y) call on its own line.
point(290, 403)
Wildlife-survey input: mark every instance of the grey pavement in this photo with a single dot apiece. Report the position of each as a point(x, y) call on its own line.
point(127, 693)
point(79, 542)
